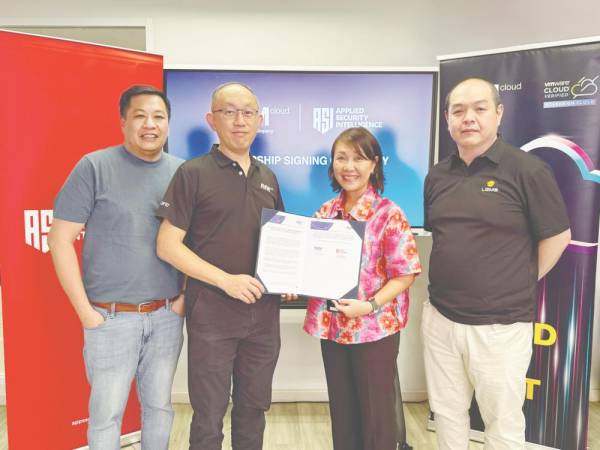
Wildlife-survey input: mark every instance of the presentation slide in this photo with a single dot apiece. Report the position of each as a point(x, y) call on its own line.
point(303, 113)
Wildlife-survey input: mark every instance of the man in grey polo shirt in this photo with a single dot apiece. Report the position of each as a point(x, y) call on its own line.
point(127, 301)
point(498, 224)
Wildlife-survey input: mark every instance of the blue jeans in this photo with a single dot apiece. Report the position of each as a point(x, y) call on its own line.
point(127, 345)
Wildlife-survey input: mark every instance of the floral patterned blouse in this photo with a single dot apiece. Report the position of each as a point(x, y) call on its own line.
point(389, 251)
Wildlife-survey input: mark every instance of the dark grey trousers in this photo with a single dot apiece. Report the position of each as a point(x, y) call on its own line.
point(232, 349)
point(361, 381)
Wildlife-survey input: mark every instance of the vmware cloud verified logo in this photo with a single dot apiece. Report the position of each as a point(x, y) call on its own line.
point(585, 87)
point(566, 93)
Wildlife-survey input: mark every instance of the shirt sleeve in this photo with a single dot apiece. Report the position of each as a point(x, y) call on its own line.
point(179, 201)
point(75, 200)
point(546, 212)
point(399, 247)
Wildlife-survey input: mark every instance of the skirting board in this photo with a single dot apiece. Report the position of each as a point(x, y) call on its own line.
point(283, 396)
point(294, 396)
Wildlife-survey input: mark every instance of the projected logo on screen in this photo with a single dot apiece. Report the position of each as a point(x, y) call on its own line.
point(323, 119)
point(270, 112)
point(342, 117)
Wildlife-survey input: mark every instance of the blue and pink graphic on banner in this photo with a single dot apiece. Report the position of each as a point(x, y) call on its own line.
point(304, 112)
point(552, 109)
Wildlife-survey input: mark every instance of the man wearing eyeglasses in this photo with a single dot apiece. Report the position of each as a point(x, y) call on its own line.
point(210, 230)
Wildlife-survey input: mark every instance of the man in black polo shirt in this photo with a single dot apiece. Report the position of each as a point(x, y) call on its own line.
point(498, 224)
point(210, 231)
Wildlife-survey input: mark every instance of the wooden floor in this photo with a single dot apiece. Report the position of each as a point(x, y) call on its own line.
point(305, 426)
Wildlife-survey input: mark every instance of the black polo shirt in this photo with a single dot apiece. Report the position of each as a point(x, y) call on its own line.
point(220, 208)
point(486, 220)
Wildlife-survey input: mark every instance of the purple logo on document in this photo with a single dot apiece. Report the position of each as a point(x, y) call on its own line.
point(317, 225)
point(277, 218)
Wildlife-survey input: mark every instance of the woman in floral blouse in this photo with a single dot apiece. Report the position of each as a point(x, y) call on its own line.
point(360, 341)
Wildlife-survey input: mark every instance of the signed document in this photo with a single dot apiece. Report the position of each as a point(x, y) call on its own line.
point(307, 256)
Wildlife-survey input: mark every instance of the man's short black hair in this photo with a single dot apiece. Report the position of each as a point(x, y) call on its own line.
point(140, 89)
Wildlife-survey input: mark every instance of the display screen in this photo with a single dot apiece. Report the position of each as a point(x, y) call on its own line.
point(303, 112)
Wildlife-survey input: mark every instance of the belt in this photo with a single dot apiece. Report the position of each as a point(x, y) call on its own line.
point(145, 307)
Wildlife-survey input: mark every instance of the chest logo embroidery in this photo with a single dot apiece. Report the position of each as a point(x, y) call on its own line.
point(266, 188)
point(489, 186)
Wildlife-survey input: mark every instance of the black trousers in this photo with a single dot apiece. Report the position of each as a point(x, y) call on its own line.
point(361, 381)
point(230, 341)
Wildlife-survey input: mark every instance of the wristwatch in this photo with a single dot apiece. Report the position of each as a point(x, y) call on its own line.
point(373, 304)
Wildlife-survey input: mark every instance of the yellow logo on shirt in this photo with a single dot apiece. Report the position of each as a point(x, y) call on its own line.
point(490, 186)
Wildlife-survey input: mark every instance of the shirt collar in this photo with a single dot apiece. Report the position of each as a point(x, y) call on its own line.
point(222, 160)
point(493, 154)
point(364, 208)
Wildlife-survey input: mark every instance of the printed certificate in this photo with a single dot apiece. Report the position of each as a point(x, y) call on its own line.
point(307, 256)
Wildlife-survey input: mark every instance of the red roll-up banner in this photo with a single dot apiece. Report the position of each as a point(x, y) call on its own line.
point(59, 101)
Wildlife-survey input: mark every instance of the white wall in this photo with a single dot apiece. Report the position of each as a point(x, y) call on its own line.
point(317, 32)
point(335, 33)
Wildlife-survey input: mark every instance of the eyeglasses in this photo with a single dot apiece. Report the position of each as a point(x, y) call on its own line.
point(230, 114)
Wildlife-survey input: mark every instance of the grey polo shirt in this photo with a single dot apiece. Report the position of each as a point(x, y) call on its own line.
point(115, 194)
point(220, 209)
point(486, 220)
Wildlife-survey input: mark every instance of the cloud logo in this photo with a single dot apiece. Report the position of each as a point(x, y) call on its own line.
point(584, 164)
point(572, 150)
point(584, 87)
